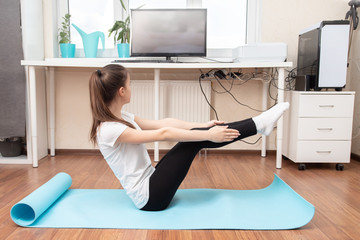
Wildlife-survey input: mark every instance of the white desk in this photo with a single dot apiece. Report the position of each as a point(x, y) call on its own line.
point(51, 64)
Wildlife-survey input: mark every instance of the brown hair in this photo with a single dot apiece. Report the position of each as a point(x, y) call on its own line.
point(103, 85)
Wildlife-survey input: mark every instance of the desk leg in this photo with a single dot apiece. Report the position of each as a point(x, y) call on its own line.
point(281, 86)
point(156, 107)
point(33, 114)
point(264, 107)
point(51, 82)
point(28, 118)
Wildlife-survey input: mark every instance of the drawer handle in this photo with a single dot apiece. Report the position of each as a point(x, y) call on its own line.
point(323, 152)
point(327, 106)
point(325, 129)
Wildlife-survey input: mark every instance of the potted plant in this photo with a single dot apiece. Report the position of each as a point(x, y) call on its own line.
point(66, 47)
point(121, 30)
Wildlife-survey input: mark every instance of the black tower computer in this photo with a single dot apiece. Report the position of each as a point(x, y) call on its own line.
point(322, 56)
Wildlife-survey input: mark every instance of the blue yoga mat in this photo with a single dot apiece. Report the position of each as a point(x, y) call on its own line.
point(54, 205)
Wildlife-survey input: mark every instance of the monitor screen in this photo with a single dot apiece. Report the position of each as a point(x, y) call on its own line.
point(168, 32)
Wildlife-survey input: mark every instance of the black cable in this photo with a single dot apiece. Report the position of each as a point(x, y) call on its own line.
point(218, 92)
point(214, 70)
point(207, 75)
point(269, 89)
point(292, 74)
point(231, 85)
point(242, 104)
point(207, 100)
point(244, 80)
point(272, 82)
point(226, 91)
point(250, 142)
point(269, 92)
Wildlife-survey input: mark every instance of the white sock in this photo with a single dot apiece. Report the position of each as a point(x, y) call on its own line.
point(265, 122)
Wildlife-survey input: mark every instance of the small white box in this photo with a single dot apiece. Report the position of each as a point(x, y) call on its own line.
point(261, 52)
point(219, 52)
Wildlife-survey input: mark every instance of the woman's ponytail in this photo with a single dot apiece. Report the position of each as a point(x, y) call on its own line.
point(103, 85)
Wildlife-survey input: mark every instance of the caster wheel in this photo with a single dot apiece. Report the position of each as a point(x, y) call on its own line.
point(339, 167)
point(302, 166)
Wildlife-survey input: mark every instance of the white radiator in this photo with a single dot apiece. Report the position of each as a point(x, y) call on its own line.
point(178, 99)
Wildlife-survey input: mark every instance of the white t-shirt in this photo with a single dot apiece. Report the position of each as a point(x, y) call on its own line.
point(130, 163)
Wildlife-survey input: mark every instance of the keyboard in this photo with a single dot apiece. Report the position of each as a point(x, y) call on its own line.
point(142, 61)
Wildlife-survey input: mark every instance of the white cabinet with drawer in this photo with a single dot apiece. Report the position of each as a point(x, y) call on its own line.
point(318, 127)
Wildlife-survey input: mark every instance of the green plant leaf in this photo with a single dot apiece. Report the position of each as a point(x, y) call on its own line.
point(141, 6)
point(64, 32)
point(121, 29)
point(123, 5)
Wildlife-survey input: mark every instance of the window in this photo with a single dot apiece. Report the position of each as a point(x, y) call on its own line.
point(230, 22)
point(91, 16)
point(226, 24)
point(157, 3)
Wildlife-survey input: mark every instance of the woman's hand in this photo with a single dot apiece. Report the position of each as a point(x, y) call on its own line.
point(213, 123)
point(223, 134)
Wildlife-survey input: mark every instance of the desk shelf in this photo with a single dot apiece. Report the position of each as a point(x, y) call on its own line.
point(39, 147)
point(101, 62)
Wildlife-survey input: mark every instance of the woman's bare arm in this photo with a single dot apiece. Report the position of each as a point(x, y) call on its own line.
point(146, 124)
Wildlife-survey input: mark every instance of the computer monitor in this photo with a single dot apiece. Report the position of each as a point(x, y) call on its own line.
point(168, 32)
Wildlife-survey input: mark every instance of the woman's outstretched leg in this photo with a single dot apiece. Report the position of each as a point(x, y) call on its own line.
point(174, 166)
point(265, 122)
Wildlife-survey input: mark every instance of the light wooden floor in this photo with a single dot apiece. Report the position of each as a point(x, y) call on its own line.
point(335, 195)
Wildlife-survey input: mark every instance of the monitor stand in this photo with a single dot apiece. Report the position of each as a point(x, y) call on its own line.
point(168, 60)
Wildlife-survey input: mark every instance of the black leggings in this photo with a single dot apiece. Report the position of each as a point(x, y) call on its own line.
point(173, 167)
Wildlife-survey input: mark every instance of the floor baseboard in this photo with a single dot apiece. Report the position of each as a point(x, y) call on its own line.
point(355, 157)
point(77, 152)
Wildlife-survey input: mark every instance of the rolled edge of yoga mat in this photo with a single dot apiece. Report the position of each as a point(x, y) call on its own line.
point(307, 209)
point(26, 211)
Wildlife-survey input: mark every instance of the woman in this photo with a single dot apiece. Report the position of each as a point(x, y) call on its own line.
point(121, 136)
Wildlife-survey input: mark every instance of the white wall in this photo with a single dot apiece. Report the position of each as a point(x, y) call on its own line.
point(281, 22)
